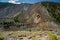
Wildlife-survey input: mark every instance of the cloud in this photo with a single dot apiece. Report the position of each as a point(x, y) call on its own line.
point(14, 1)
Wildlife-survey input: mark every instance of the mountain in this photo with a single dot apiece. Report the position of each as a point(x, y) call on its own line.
point(42, 15)
point(8, 10)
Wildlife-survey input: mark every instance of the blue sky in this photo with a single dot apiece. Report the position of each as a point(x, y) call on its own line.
point(27, 1)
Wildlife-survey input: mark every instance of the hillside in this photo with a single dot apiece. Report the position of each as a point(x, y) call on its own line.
point(8, 10)
point(42, 15)
point(53, 9)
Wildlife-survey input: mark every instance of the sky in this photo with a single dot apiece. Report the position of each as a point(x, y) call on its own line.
point(27, 1)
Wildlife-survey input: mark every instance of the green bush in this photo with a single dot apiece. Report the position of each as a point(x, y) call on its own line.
point(30, 30)
point(34, 38)
point(1, 37)
point(52, 36)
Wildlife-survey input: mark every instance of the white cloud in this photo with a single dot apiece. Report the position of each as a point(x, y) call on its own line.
point(23, 2)
point(14, 1)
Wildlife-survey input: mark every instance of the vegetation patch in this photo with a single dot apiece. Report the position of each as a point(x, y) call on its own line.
point(52, 36)
point(34, 38)
point(1, 37)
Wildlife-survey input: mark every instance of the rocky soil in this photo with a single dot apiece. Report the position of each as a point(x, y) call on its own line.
point(27, 35)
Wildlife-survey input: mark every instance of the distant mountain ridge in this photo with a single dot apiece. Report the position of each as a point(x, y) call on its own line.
point(7, 9)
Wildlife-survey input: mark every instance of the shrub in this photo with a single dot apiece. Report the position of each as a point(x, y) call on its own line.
point(34, 38)
point(22, 35)
point(52, 36)
point(58, 38)
point(1, 37)
point(30, 30)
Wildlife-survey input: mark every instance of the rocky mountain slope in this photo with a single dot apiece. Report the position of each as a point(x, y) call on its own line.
point(43, 15)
